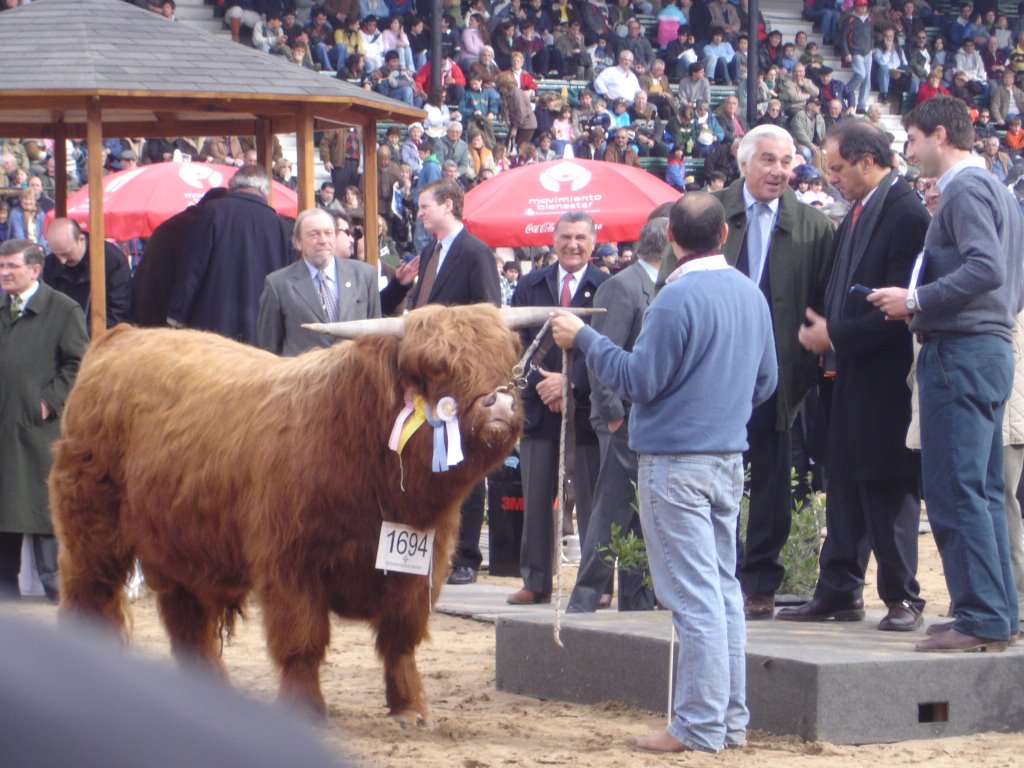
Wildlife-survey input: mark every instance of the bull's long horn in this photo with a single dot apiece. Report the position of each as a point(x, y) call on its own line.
point(525, 317)
point(351, 329)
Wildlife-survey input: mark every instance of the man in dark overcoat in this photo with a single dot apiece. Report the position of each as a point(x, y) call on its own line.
point(786, 248)
point(237, 241)
point(874, 497)
point(42, 340)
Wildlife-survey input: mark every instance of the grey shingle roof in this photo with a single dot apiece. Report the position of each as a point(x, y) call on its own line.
point(110, 46)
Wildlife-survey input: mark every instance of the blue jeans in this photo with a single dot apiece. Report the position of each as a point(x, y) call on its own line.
point(963, 384)
point(829, 22)
point(402, 92)
point(860, 83)
point(689, 506)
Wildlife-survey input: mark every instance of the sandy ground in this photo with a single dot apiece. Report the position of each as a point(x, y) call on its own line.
point(476, 726)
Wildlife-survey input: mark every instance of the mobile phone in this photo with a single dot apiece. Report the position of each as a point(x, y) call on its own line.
point(862, 290)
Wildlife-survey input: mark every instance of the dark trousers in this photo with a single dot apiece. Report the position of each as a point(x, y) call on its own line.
point(345, 175)
point(865, 516)
point(614, 497)
point(467, 554)
point(770, 514)
point(44, 548)
point(963, 384)
point(540, 485)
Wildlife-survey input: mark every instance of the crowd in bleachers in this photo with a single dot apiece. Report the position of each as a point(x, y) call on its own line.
point(654, 84)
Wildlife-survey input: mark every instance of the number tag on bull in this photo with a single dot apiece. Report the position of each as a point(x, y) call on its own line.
point(405, 549)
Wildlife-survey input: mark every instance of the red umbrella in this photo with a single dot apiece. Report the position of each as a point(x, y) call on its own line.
point(520, 207)
point(136, 201)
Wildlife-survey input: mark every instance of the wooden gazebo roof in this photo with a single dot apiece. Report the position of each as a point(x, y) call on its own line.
point(94, 68)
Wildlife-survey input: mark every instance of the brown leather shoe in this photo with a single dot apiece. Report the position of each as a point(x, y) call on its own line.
point(527, 597)
point(952, 641)
point(902, 617)
point(942, 626)
point(819, 610)
point(663, 742)
point(605, 601)
point(758, 607)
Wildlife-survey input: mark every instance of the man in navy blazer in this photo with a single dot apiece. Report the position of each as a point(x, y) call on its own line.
point(464, 273)
point(572, 281)
point(291, 296)
point(456, 268)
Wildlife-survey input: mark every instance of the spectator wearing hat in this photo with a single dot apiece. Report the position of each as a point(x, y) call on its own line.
point(856, 39)
point(829, 88)
point(808, 129)
point(129, 160)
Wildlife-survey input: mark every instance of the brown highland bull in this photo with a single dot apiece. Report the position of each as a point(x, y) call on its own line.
point(226, 470)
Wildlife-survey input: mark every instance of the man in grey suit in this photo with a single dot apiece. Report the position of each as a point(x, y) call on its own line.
point(626, 297)
point(321, 288)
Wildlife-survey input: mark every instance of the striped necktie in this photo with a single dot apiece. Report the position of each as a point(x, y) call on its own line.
point(16, 307)
point(327, 297)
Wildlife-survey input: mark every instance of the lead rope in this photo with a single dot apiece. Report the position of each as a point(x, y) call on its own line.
point(564, 491)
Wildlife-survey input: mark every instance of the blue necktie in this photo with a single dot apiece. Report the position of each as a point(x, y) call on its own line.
point(755, 239)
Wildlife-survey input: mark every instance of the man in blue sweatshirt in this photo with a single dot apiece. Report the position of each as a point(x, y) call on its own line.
point(961, 304)
point(704, 358)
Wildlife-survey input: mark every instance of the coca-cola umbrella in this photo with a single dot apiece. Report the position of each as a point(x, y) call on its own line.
point(520, 207)
point(137, 200)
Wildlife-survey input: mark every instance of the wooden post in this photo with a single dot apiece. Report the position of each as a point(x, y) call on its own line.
point(265, 151)
point(370, 197)
point(97, 260)
point(304, 144)
point(60, 167)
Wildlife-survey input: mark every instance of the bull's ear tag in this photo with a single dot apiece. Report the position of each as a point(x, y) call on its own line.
point(404, 549)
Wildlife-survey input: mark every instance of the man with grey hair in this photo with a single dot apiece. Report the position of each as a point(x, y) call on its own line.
point(237, 241)
point(571, 282)
point(626, 297)
point(786, 248)
point(618, 82)
point(320, 288)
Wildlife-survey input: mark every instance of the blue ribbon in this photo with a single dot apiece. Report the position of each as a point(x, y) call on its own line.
point(440, 461)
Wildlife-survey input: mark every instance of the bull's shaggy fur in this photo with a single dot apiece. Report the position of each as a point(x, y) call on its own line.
point(226, 470)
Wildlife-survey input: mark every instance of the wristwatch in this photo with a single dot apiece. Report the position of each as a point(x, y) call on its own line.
point(911, 301)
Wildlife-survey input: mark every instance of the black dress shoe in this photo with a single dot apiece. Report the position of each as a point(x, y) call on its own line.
point(902, 617)
point(819, 610)
point(462, 574)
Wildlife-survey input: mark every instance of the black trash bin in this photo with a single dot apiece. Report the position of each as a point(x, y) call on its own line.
point(505, 517)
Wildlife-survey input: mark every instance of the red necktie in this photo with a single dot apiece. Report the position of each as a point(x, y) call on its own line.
point(856, 215)
point(566, 298)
